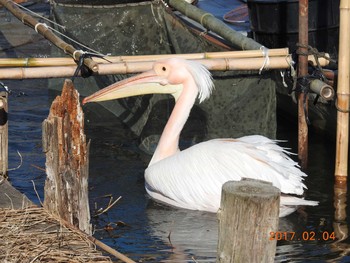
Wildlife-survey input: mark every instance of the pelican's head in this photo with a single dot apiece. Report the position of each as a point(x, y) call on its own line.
point(166, 77)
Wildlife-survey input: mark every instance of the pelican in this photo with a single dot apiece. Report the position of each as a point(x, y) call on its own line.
point(193, 178)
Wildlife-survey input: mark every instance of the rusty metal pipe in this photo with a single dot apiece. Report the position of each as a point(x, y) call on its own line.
point(303, 71)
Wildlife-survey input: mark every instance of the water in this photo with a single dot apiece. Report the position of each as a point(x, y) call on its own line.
point(139, 227)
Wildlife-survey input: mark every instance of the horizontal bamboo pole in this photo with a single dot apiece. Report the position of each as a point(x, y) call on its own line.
point(136, 67)
point(65, 61)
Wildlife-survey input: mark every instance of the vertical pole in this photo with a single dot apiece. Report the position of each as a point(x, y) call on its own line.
point(248, 217)
point(3, 134)
point(302, 72)
point(343, 93)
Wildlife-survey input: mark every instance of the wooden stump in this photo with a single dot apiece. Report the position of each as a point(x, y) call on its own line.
point(67, 166)
point(3, 134)
point(249, 213)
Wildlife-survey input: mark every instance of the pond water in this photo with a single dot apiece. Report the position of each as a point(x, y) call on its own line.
point(141, 228)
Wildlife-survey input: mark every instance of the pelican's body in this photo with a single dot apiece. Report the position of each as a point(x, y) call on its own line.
point(193, 178)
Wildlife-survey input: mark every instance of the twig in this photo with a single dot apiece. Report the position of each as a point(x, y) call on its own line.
point(37, 256)
point(110, 205)
point(38, 167)
point(10, 200)
point(97, 242)
point(20, 164)
point(37, 194)
point(194, 259)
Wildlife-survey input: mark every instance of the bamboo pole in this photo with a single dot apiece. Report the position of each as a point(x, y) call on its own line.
point(48, 34)
point(343, 93)
point(3, 134)
point(302, 72)
point(136, 67)
point(65, 61)
point(208, 21)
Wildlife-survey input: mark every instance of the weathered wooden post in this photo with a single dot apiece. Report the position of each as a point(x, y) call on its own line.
point(248, 217)
point(3, 134)
point(64, 142)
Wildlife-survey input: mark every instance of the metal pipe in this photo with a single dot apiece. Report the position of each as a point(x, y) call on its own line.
point(302, 72)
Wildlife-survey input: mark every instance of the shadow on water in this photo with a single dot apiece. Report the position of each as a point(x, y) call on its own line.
point(148, 231)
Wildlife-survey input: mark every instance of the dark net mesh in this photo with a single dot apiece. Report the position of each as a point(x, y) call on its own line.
point(243, 103)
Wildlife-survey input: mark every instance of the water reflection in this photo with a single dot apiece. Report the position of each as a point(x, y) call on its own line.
point(340, 223)
point(189, 234)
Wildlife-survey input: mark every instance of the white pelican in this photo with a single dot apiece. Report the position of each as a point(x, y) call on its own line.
point(193, 178)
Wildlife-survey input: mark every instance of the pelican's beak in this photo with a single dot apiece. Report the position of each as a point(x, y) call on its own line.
point(145, 83)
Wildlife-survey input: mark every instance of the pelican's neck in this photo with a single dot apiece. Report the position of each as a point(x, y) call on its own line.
point(169, 140)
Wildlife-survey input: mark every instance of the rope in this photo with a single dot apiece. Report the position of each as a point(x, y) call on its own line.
point(40, 24)
point(312, 51)
point(78, 51)
point(81, 67)
point(78, 43)
point(57, 31)
point(302, 84)
point(266, 63)
point(3, 86)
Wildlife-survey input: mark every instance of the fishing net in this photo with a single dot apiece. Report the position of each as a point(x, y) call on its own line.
point(243, 103)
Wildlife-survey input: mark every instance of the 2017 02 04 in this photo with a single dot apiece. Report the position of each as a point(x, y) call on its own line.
point(304, 236)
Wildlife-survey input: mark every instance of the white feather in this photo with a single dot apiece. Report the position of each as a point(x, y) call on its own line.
point(203, 79)
point(193, 178)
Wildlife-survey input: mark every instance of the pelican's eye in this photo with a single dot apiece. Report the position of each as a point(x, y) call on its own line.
point(162, 69)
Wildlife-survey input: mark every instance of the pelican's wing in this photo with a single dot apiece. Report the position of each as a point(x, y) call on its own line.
point(193, 178)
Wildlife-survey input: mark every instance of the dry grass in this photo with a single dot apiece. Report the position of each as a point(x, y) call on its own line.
point(33, 235)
